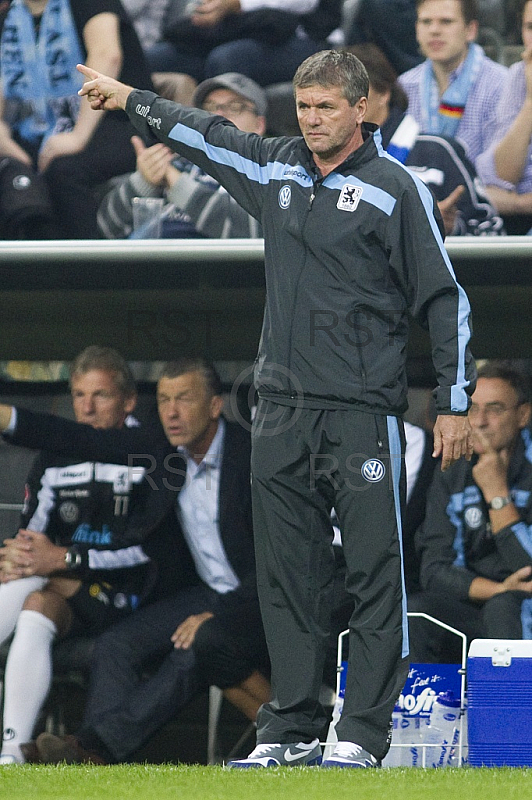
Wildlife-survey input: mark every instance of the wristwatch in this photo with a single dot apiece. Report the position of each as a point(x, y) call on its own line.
point(72, 558)
point(499, 502)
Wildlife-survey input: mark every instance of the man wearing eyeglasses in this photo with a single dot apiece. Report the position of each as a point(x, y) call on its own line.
point(197, 206)
point(476, 542)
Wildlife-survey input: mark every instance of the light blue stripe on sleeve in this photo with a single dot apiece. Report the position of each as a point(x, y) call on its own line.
point(396, 459)
point(273, 170)
point(523, 535)
point(454, 508)
point(527, 440)
point(459, 397)
point(526, 619)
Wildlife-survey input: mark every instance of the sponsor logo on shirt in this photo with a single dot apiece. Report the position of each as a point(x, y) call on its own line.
point(69, 511)
point(285, 196)
point(474, 517)
point(77, 474)
point(84, 533)
point(296, 172)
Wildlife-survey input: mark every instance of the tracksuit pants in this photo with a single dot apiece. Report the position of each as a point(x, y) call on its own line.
point(304, 462)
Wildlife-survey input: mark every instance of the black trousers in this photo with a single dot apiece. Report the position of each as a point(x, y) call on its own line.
point(304, 462)
point(124, 708)
point(498, 618)
point(138, 680)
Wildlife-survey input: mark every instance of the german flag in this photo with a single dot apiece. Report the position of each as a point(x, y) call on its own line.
point(454, 112)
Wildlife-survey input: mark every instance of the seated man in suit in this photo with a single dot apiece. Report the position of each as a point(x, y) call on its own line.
point(196, 484)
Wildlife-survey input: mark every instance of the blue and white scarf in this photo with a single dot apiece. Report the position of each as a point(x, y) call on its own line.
point(442, 115)
point(39, 75)
point(403, 138)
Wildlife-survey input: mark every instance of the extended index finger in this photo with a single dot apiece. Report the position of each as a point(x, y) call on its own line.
point(91, 81)
point(89, 73)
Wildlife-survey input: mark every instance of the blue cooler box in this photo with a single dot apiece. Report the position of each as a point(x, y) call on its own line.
point(499, 694)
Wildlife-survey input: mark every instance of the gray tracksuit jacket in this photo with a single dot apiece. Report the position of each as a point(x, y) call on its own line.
point(348, 258)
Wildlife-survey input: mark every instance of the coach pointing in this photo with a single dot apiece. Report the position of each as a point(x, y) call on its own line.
point(352, 246)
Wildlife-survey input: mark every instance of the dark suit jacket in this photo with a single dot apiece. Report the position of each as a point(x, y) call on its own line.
point(152, 520)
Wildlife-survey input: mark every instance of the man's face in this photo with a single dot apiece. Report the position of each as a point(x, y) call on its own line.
point(442, 33)
point(329, 124)
point(236, 109)
point(98, 402)
point(496, 415)
point(188, 412)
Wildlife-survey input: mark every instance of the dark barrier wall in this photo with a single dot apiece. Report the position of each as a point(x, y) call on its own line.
point(151, 298)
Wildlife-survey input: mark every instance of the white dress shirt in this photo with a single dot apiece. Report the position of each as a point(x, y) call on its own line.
point(198, 512)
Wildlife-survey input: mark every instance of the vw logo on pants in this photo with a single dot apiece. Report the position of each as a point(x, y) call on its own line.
point(373, 470)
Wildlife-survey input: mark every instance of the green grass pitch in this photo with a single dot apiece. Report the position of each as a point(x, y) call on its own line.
point(144, 782)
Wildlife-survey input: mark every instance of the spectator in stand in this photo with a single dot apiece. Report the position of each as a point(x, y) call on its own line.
point(439, 161)
point(197, 205)
point(475, 543)
point(455, 91)
point(263, 39)
point(506, 167)
point(147, 17)
point(44, 126)
point(391, 25)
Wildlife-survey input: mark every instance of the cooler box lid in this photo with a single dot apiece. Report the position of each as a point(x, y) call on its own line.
point(500, 649)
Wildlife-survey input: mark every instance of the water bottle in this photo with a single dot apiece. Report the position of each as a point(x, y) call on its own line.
point(332, 738)
point(443, 731)
point(457, 759)
point(415, 737)
point(405, 731)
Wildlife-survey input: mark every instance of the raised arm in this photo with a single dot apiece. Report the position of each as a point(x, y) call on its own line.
point(512, 151)
point(101, 36)
point(241, 162)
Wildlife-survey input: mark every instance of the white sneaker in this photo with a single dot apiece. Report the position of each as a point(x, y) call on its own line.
point(349, 754)
point(5, 760)
point(281, 755)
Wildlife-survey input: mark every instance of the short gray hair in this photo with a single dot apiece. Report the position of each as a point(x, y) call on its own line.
point(108, 360)
point(330, 68)
point(184, 364)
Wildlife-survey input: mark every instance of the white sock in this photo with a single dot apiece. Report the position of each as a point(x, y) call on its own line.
point(12, 596)
point(27, 678)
